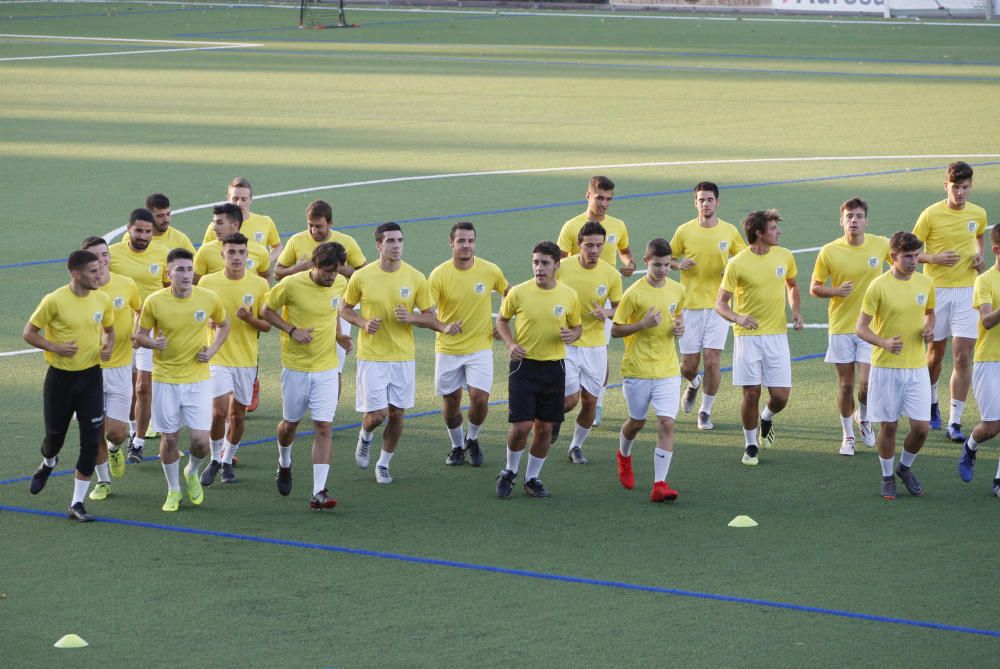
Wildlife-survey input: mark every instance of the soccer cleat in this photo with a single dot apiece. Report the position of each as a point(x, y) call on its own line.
point(888, 487)
point(456, 457)
point(255, 399)
point(954, 433)
point(505, 483)
point(283, 477)
point(847, 446)
point(766, 433)
point(208, 476)
point(534, 488)
point(322, 501)
point(935, 416)
point(475, 453)
point(101, 491)
point(193, 487)
point(151, 434)
point(691, 394)
point(79, 513)
point(662, 492)
point(996, 487)
point(134, 454)
point(750, 456)
point(625, 474)
point(576, 456)
point(597, 417)
point(227, 473)
point(116, 461)
point(173, 501)
point(705, 421)
point(382, 475)
point(966, 463)
point(867, 433)
point(41, 477)
point(910, 481)
point(362, 453)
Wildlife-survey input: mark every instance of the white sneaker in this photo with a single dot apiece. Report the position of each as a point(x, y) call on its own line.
point(691, 394)
point(867, 433)
point(362, 453)
point(382, 475)
point(847, 446)
point(705, 421)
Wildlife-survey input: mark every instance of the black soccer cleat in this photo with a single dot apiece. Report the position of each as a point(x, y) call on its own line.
point(474, 452)
point(41, 477)
point(78, 513)
point(283, 478)
point(505, 483)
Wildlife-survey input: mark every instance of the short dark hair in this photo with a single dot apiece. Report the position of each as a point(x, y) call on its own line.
point(591, 228)
point(157, 201)
point(995, 235)
point(601, 183)
point(756, 222)
point(231, 210)
point(549, 249)
point(707, 185)
point(319, 209)
point(461, 225)
point(140, 214)
point(240, 182)
point(383, 228)
point(93, 240)
point(79, 259)
point(959, 171)
point(179, 254)
point(904, 242)
point(854, 203)
point(329, 255)
point(235, 238)
point(659, 247)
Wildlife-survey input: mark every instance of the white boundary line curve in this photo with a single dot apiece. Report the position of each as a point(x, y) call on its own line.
point(194, 46)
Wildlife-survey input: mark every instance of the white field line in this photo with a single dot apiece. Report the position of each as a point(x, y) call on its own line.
point(132, 40)
point(183, 45)
point(122, 53)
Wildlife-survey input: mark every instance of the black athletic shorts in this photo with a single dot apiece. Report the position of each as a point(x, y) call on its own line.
point(537, 390)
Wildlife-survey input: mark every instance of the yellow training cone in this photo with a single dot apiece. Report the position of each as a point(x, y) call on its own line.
point(742, 521)
point(71, 641)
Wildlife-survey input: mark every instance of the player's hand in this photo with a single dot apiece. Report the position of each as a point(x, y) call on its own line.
point(345, 342)
point(65, 349)
point(568, 336)
point(797, 322)
point(598, 311)
point(496, 333)
point(628, 270)
point(928, 334)
point(404, 315)
point(372, 325)
point(517, 352)
point(303, 265)
point(135, 344)
point(894, 345)
point(686, 264)
point(978, 263)
point(844, 289)
point(678, 327)
point(204, 355)
point(106, 349)
point(243, 314)
point(160, 343)
point(946, 258)
point(652, 318)
point(747, 322)
point(452, 328)
point(302, 335)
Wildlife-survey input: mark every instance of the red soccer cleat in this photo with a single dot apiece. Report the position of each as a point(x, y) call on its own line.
point(625, 473)
point(255, 400)
point(662, 492)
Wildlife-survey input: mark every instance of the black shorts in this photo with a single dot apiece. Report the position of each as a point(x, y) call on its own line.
point(537, 390)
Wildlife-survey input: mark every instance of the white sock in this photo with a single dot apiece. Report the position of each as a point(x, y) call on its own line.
point(750, 436)
point(473, 430)
point(384, 458)
point(957, 409)
point(998, 471)
point(513, 459)
point(50, 462)
point(625, 445)
point(862, 412)
point(534, 467)
point(972, 444)
point(217, 450)
point(103, 473)
point(285, 455)
point(696, 382)
point(193, 465)
point(79, 490)
point(366, 435)
point(229, 450)
point(661, 464)
point(906, 458)
point(320, 472)
point(131, 427)
point(173, 474)
point(706, 403)
point(579, 435)
point(113, 448)
point(766, 414)
point(138, 442)
point(457, 437)
point(847, 423)
point(886, 465)
point(934, 394)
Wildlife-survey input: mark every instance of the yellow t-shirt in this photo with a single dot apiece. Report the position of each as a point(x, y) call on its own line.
point(65, 316)
point(147, 268)
point(758, 287)
point(944, 229)
point(616, 240)
point(209, 260)
point(650, 353)
point(710, 249)
point(593, 288)
point(257, 228)
point(170, 240)
point(306, 304)
point(898, 308)
point(987, 291)
point(841, 262)
point(466, 295)
point(379, 292)
point(539, 315)
point(125, 302)
point(301, 246)
point(240, 348)
point(185, 324)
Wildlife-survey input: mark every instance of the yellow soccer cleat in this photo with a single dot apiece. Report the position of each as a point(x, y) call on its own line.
point(194, 491)
point(101, 491)
point(116, 459)
point(173, 501)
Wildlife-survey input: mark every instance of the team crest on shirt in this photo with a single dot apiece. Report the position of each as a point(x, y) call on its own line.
point(98, 316)
point(972, 226)
point(199, 316)
point(672, 308)
point(335, 302)
point(921, 298)
point(248, 300)
point(723, 246)
point(250, 263)
point(258, 237)
point(119, 302)
point(873, 261)
point(405, 292)
point(559, 310)
point(779, 272)
point(612, 239)
point(480, 288)
point(602, 290)
point(154, 269)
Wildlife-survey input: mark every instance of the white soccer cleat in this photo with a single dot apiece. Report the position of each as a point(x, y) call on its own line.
point(867, 433)
point(362, 454)
point(847, 446)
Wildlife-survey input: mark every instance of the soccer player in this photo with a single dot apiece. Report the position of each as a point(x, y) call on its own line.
point(548, 318)
point(952, 231)
point(78, 325)
point(897, 317)
point(175, 323)
point(234, 367)
point(850, 264)
point(116, 372)
point(227, 219)
point(462, 289)
point(986, 372)
point(164, 234)
point(257, 228)
point(701, 248)
point(649, 316)
point(598, 289)
point(756, 282)
point(387, 292)
point(146, 264)
point(304, 308)
point(297, 254)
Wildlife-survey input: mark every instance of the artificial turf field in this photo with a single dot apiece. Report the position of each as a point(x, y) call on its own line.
point(427, 118)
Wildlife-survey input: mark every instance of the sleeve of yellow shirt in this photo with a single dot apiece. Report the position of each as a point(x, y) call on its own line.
point(566, 241)
point(821, 270)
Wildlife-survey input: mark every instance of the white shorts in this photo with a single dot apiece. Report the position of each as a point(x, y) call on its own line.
point(142, 359)
point(178, 404)
point(118, 392)
point(586, 367)
point(453, 372)
point(316, 391)
point(762, 360)
point(345, 328)
point(893, 393)
point(703, 328)
point(235, 380)
point(954, 315)
point(663, 394)
point(847, 348)
point(380, 384)
point(986, 388)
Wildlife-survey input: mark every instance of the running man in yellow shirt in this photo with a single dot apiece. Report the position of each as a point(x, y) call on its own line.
point(74, 326)
point(547, 315)
point(897, 317)
point(176, 323)
point(164, 234)
point(297, 255)
point(227, 219)
point(462, 290)
point(850, 264)
point(701, 249)
point(756, 281)
point(257, 228)
point(650, 316)
point(952, 232)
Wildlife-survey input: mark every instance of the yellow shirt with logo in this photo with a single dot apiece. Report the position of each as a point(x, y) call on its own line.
point(170, 240)
point(301, 246)
point(539, 314)
point(710, 249)
point(240, 348)
point(897, 308)
point(185, 322)
point(147, 268)
point(987, 291)
point(651, 353)
point(944, 229)
point(593, 288)
point(306, 304)
point(209, 260)
point(125, 302)
point(466, 295)
point(257, 228)
point(757, 283)
point(66, 317)
point(840, 262)
point(379, 293)
point(616, 240)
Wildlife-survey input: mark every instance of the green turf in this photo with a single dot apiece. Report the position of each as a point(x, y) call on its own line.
point(410, 95)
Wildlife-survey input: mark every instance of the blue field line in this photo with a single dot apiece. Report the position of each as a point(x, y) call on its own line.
point(526, 573)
